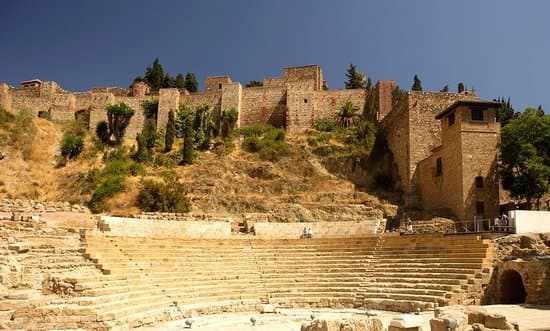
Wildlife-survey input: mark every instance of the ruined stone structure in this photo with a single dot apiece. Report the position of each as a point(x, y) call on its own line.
point(296, 101)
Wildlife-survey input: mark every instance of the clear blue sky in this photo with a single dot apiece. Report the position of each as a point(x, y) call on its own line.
point(500, 47)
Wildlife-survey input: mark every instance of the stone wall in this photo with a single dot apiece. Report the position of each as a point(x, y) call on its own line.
point(384, 89)
point(310, 72)
point(5, 96)
point(136, 227)
point(268, 230)
point(37, 207)
point(263, 105)
point(469, 150)
point(327, 103)
point(216, 83)
point(413, 132)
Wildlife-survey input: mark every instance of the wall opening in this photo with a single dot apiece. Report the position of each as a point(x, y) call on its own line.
point(512, 290)
point(84, 116)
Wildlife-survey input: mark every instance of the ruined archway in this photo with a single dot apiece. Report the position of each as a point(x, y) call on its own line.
point(512, 290)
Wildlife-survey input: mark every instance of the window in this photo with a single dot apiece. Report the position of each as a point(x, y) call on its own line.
point(220, 86)
point(477, 114)
point(480, 208)
point(305, 100)
point(452, 119)
point(479, 182)
point(438, 167)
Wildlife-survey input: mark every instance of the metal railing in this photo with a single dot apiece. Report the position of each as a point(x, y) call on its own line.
point(479, 224)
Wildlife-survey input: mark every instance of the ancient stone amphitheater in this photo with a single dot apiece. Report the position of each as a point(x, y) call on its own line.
point(114, 274)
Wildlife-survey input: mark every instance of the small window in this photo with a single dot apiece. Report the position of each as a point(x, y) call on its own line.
point(452, 119)
point(220, 86)
point(480, 208)
point(305, 100)
point(479, 182)
point(438, 167)
point(477, 115)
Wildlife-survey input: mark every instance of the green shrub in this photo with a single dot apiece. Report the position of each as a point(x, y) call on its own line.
point(5, 118)
point(77, 127)
point(170, 196)
point(108, 188)
point(71, 145)
point(102, 131)
point(254, 130)
point(47, 115)
point(267, 141)
point(325, 124)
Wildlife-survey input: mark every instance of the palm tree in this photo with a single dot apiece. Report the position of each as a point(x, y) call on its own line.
point(348, 115)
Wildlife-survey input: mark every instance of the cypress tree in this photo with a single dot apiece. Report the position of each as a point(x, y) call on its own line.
point(154, 75)
point(180, 81)
point(191, 83)
point(170, 132)
point(461, 87)
point(417, 84)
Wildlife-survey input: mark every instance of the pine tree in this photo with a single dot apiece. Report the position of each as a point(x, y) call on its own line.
point(154, 75)
point(170, 132)
point(180, 81)
point(417, 84)
point(356, 79)
point(191, 84)
point(445, 89)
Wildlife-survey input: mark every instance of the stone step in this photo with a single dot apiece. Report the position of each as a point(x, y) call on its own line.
point(372, 290)
point(405, 306)
point(422, 270)
point(431, 275)
point(419, 279)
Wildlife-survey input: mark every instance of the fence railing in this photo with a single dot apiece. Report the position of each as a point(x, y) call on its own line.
point(486, 225)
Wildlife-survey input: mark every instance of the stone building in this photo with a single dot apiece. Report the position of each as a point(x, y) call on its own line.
point(295, 101)
point(461, 173)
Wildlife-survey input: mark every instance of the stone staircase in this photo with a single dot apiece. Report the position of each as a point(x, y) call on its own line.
point(38, 266)
point(425, 271)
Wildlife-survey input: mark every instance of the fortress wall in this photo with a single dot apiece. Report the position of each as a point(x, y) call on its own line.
point(425, 130)
point(385, 88)
point(263, 105)
point(63, 107)
point(396, 129)
point(98, 112)
point(274, 82)
point(83, 100)
point(31, 101)
point(169, 99)
point(136, 122)
point(232, 97)
point(116, 91)
point(5, 97)
point(310, 72)
point(327, 103)
point(212, 99)
point(300, 103)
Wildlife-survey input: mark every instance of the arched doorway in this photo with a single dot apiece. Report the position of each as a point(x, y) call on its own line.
point(512, 290)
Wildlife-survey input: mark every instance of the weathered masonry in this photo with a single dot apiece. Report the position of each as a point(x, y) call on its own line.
point(464, 153)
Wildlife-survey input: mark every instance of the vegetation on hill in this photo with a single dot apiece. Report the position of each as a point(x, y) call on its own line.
point(355, 79)
point(525, 150)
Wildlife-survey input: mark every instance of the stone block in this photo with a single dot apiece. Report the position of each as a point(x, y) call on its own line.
point(267, 309)
point(496, 321)
point(406, 321)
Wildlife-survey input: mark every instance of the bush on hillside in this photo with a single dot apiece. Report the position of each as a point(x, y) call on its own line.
point(325, 124)
point(71, 146)
point(170, 196)
point(108, 188)
point(265, 140)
